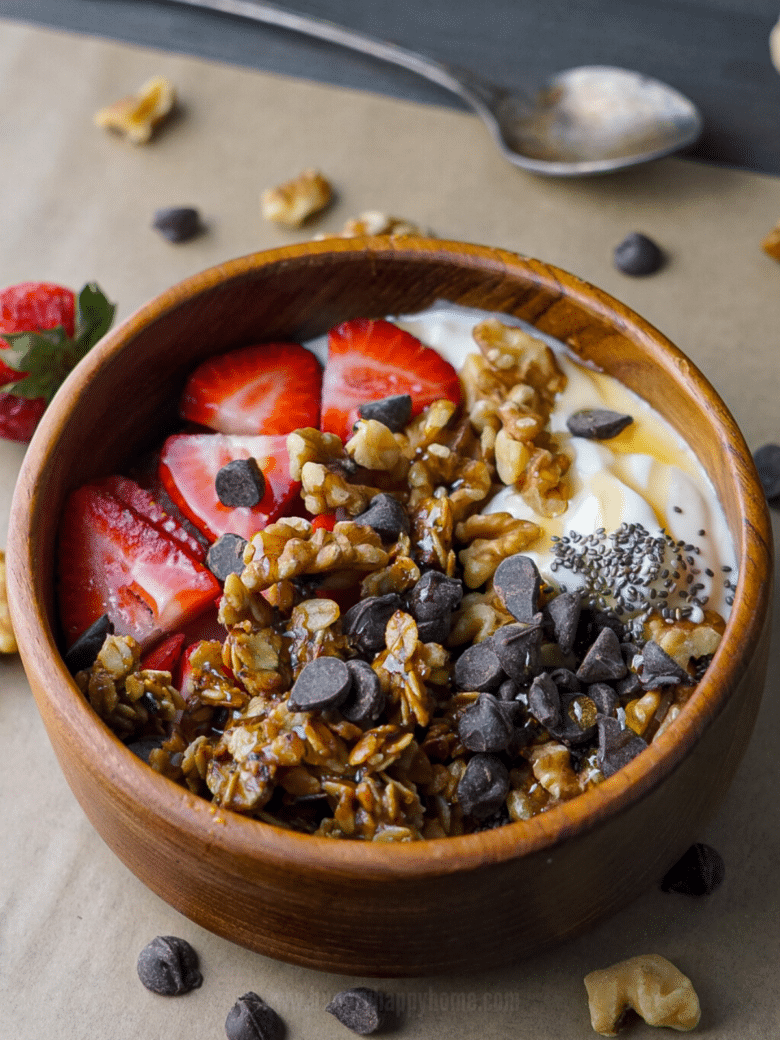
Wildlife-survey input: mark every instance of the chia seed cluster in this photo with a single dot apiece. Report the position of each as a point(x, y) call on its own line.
point(633, 573)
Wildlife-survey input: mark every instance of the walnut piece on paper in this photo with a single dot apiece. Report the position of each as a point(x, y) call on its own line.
point(296, 200)
point(7, 638)
point(137, 116)
point(648, 984)
point(771, 244)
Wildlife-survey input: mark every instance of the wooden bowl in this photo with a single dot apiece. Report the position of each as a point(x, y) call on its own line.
point(356, 907)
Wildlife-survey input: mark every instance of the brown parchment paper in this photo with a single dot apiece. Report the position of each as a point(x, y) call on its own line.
point(76, 205)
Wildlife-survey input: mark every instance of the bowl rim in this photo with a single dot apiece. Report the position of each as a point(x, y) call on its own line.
point(251, 839)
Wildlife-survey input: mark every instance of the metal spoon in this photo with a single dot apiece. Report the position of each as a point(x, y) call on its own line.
point(592, 119)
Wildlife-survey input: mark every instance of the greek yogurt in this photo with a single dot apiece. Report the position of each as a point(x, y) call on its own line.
point(647, 475)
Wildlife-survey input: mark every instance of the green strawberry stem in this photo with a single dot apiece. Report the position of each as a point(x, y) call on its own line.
point(44, 358)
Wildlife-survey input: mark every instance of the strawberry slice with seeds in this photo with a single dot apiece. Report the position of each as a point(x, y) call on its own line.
point(113, 561)
point(269, 388)
point(372, 359)
point(189, 463)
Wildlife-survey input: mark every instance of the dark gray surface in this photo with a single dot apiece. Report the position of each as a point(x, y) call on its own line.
point(715, 51)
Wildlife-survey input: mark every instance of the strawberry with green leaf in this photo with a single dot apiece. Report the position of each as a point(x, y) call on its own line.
point(45, 330)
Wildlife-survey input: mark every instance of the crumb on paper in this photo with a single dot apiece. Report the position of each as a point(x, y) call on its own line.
point(373, 222)
point(138, 115)
point(7, 638)
point(296, 200)
point(771, 244)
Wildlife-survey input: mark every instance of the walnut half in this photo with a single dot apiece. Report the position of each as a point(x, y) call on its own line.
point(294, 201)
point(648, 984)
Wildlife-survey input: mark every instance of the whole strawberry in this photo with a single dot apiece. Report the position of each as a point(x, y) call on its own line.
point(45, 330)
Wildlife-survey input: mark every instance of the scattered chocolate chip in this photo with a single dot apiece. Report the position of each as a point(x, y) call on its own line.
point(564, 611)
point(145, 746)
point(177, 223)
point(518, 584)
point(240, 483)
point(658, 664)
point(485, 726)
point(360, 1009)
point(517, 647)
point(365, 701)
point(483, 786)
point(226, 556)
point(251, 1018)
point(386, 515)
point(322, 683)
point(617, 745)
point(604, 697)
point(698, 873)
point(366, 621)
point(544, 700)
point(637, 255)
point(603, 661)
point(767, 460)
point(86, 648)
point(597, 424)
point(169, 966)
point(395, 411)
point(478, 668)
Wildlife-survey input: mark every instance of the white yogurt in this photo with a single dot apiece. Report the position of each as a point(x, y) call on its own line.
point(646, 475)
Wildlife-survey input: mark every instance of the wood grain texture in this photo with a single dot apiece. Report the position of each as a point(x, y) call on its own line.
point(354, 907)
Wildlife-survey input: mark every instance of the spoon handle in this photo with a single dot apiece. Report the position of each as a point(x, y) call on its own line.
point(468, 87)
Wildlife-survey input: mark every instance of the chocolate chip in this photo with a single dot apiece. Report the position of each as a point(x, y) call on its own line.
point(483, 787)
point(240, 483)
point(431, 603)
point(322, 683)
point(565, 679)
point(478, 668)
point(544, 700)
point(698, 873)
point(603, 661)
point(517, 647)
point(386, 516)
point(577, 723)
point(518, 584)
point(226, 556)
point(597, 424)
point(84, 651)
point(630, 686)
point(564, 611)
point(145, 746)
point(604, 697)
point(395, 411)
point(658, 664)
point(485, 726)
point(365, 701)
point(637, 255)
point(617, 745)
point(767, 460)
point(251, 1018)
point(360, 1009)
point(366, 621)
point(169, 966)
point(433, 594)
point(507, 691)
point(177, 223)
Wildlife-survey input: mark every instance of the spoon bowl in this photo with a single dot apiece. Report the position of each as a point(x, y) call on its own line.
point(591, 119)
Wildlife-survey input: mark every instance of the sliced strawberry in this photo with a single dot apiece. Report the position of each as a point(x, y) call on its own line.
point(165, 656)
point(44, 331)
point(372, 359)
point(189, 463)
point(270, 388)
point(112, 561)
point(145, 505)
